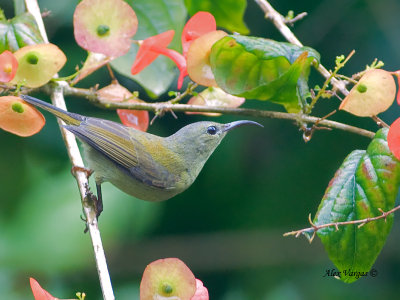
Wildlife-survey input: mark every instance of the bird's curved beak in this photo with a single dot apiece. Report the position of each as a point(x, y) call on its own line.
point(232, 125)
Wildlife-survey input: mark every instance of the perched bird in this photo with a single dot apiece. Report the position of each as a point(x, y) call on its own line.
point(141, 164)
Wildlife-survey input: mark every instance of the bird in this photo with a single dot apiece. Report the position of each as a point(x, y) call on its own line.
point(143, 165)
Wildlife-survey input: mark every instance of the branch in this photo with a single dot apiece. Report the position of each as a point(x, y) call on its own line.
point(314, 228)
point(57, 98)
point(280, 23)
point(160, 107)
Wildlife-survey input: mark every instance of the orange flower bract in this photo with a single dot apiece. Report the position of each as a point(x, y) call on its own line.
point(19, 117)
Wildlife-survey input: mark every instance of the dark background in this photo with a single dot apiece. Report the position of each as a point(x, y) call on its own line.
point(228, 226)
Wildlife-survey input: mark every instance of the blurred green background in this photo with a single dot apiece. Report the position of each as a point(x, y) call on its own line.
point(228, 226)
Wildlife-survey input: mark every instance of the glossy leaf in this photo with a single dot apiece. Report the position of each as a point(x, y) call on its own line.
point(374, 93)
point(368, 180)
point(228, 13)
point(262, 69)
point(167, 278)
point(154, 17)
point(19, 32)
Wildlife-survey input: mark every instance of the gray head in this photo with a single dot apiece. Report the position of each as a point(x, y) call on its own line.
point(197, 141)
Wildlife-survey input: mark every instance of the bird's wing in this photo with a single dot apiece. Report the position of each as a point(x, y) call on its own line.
point(116, 142)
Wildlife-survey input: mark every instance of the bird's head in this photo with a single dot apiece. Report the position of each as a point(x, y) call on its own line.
point(197, 141)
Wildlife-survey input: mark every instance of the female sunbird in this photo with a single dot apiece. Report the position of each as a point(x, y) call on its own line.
point(141, 164)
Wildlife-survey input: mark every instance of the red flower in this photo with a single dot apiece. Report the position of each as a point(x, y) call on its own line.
point(152, 47)
point(200, 24)
point(8, 66)
point(393, 138)
point(38, 292)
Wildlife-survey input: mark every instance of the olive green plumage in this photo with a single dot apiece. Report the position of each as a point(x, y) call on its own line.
point(141, 164)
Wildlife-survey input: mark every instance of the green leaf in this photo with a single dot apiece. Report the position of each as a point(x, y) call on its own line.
point(18, 32)
point(228, 13)
point(154, 17)
point(366, 182)
point(263, 69)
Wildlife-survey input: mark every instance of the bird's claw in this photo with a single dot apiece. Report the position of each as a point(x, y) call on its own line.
point(87, 171)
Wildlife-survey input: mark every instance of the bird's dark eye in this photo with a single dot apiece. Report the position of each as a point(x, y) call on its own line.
point(212, 130)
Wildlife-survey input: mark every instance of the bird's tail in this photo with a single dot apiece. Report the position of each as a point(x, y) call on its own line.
point(67, 117)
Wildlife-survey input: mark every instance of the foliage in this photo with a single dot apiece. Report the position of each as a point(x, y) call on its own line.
point(366, 184)
point(354, 217)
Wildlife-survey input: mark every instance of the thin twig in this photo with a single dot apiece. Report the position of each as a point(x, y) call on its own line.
point(296, 18)
point(188, 91)
point(91, 95)
point(328, 80)
point(57, 96)
point(314, 228)
point(279, 21)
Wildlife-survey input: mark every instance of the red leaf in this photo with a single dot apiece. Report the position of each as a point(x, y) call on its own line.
point(393, 138)
point(201, 23)
point(38, 292)
point(8, 66)
point(138, 119)
point(145, 55)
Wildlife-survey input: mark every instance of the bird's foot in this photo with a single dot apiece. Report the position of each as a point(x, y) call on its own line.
point(87, 171)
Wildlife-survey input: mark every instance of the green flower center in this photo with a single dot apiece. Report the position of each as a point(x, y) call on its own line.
point(103, 30)
point(32, 58)
point(167, 289)
point(17, 107)
point(362, 88)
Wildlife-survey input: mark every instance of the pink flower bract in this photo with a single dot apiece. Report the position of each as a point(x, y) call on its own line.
point(165, 278)
point(105, 26)
point(201, 291)
point(8, 66)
